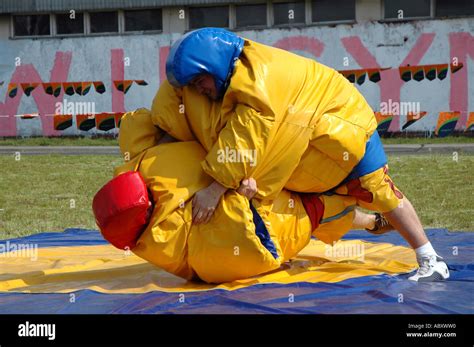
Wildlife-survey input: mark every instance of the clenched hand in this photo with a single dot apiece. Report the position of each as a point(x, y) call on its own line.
point(248, 188)
point(205, 202)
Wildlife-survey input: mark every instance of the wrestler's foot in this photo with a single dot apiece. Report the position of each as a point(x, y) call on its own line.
point(432, 268)
point(382, 225)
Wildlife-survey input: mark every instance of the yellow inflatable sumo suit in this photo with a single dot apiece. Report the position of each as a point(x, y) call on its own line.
point(243, 239)
point(303, 123)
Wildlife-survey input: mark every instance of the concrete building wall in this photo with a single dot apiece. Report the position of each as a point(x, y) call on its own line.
point(370, 44)
point(174, 20)
point(4, 27)
point(368, 10)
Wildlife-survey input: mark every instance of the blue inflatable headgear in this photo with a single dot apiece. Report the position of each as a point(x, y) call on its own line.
point(208, 50)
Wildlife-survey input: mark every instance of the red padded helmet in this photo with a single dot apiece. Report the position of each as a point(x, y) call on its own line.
point(122, 208)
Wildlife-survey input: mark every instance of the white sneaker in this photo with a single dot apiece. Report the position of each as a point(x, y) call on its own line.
point(431, 269)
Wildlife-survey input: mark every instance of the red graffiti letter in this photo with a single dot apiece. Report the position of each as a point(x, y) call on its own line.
point(45, 103)
point(301, 43)
point(118, 73)
point(462, 47)
point(391, 84)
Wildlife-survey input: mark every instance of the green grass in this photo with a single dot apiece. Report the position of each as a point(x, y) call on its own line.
point(59, 141)
point(36, 191)
point(427, 140)
point(101, 141)
point(50, 192)
point(440, 188)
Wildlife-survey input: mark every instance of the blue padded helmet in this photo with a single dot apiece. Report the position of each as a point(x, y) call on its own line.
point(208, 50)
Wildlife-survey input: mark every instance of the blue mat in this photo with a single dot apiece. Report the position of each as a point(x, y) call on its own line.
point(373, 295)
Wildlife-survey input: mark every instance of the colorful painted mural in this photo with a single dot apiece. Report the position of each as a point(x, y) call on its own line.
point(418, 72)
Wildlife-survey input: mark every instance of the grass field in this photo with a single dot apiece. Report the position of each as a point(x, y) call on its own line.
point(101, 141)
point(428, 140)
point(54, 192)
point(59, 141)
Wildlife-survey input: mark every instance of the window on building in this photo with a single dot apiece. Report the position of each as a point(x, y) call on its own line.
point(103, 22)
point(403, 9)
point(143, 20)
point(31, 25)
point(251, 15)
point(216, 16)
point(332, 10)
point(289, 13)
point(454, 8)
point(70, 23)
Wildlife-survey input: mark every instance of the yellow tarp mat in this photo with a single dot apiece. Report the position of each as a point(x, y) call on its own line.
point(107, 270)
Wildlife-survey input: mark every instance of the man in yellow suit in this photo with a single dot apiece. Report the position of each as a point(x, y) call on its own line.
point(301, 122)
point(146, 208)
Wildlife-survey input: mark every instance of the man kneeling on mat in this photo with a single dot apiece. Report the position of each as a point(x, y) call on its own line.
point(308, 125)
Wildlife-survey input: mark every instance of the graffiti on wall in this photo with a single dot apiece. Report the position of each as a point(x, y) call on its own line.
point(414, 75)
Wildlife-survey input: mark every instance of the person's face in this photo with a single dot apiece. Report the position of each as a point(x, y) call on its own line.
point(205, 85)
